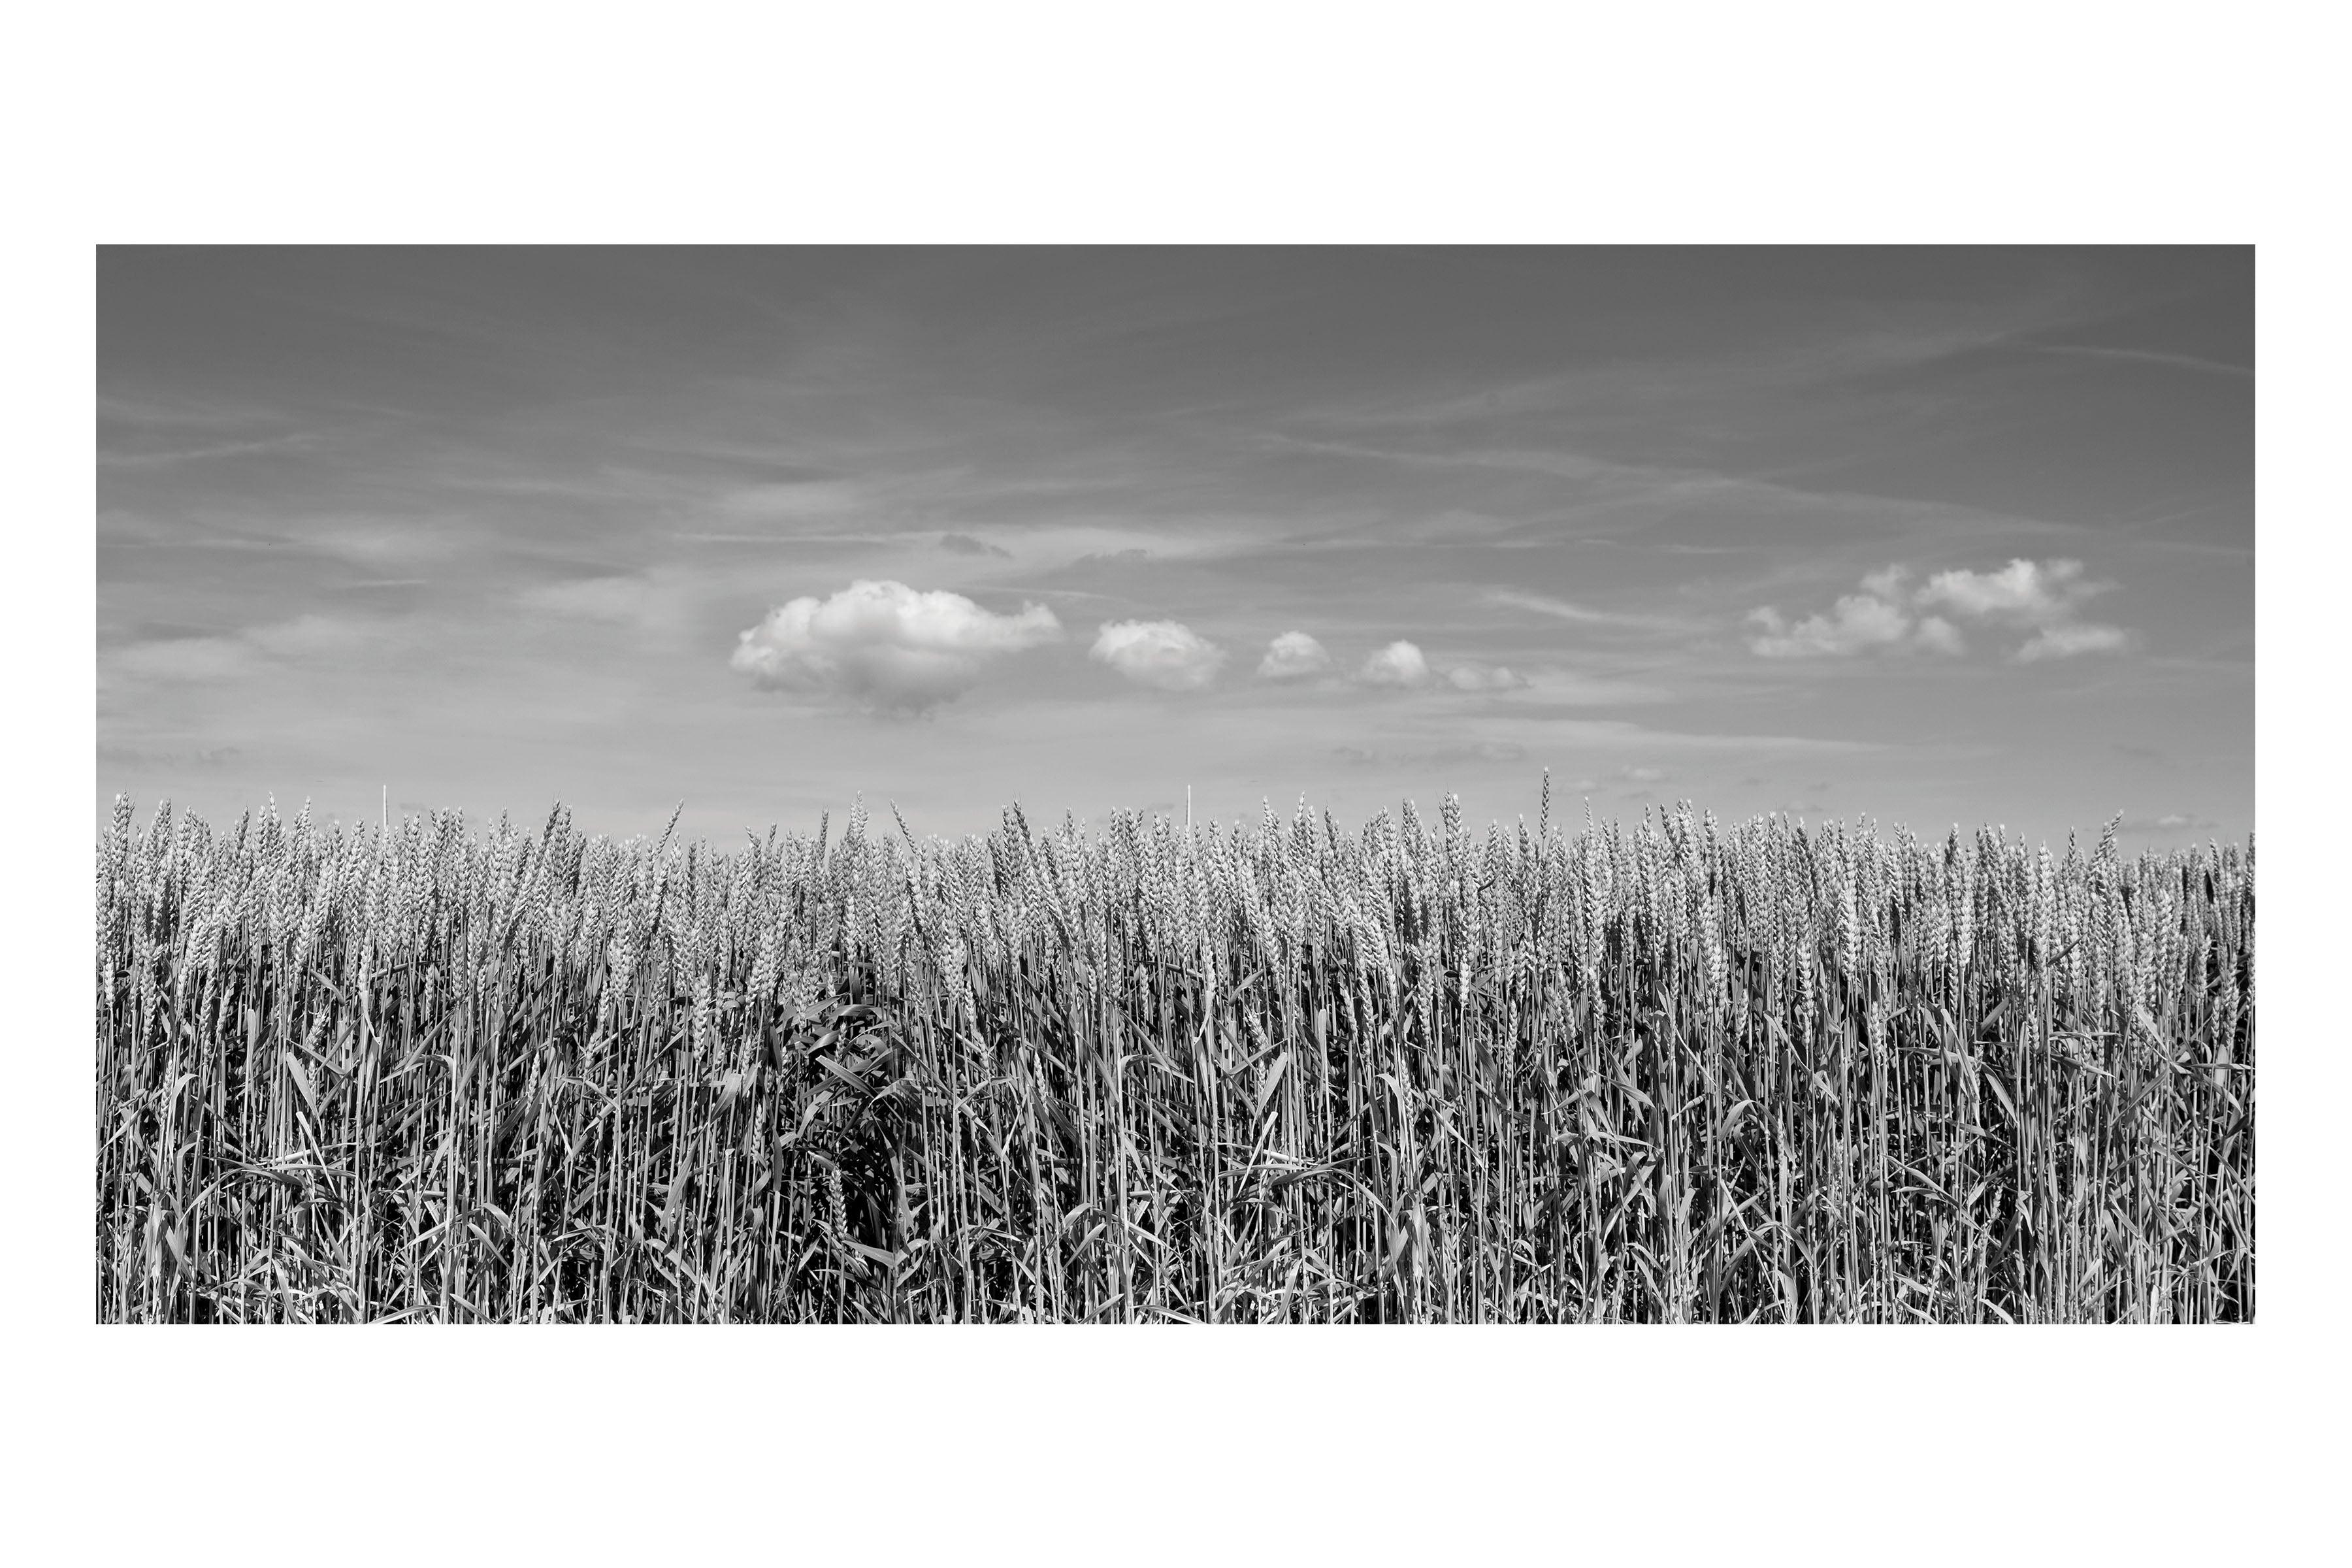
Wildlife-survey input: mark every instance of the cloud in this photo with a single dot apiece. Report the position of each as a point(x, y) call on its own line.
point(1355, 756)
point(1167, 655)
point(1936, 632)
point(1403, 664)
point(803, 499)
point(2040, 597)
point(2066, 641)
point(1399, 664)
point(1556, 688)
point(1483, 677)
point(308, 636)
point(594, 598)
point(1292, 655)
point(1858, 623)
point(230, 657)
point(2022, 591)
point(1562, 610)
point(887, 646)
point(184, 658)
point(1646, 775)
point(2147, 356)
point(1886, 583)
point(965, 544)
point(155, 459)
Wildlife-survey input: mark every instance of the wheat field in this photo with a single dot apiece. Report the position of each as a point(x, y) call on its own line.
point(1275, 1072)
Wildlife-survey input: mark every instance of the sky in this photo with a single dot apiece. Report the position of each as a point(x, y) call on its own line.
point(1931, 537)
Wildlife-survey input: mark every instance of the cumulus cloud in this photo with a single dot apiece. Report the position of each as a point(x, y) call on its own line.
point(2025, 592)
point(1292, 655)
point(2038, 596)
point(2041, 596)
point(1886, 583)
point(1936, 632)
point(1167, 655)
point(1399, 664)
point(1858, 623)
point(887, 646)
point(1483, 677)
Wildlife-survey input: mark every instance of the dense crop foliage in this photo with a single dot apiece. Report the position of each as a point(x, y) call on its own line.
point(1673, 1071)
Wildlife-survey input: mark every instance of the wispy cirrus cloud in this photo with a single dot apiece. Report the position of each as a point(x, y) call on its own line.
point(166, 457)
point(2145, 356)
point(610, 598)
point(1584, 614)
point(177, 660)
point(253, 652)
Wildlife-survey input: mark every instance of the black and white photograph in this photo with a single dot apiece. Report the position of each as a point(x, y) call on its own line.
point(1277, 783)
point(1160, 784)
